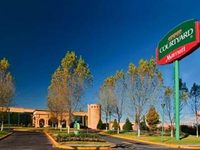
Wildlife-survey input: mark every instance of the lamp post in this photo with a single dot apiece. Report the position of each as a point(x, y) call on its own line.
point(163, 113)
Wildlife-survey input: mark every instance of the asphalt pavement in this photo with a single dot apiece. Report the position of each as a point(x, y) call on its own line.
point(38, 141)
point(124, 144)
point(26, 141)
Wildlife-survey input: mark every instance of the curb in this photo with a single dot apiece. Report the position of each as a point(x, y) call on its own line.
point(5, 136)
point(57, 145)
point(27, 130)
point(154, 143)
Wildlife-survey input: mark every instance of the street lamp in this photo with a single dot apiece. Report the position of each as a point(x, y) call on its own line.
point(163, 112)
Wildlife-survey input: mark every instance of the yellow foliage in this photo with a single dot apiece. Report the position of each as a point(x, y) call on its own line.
point(4, 64)
point(68, 83)
point(168, 91)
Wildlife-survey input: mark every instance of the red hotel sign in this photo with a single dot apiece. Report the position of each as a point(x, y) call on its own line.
point(179, 42)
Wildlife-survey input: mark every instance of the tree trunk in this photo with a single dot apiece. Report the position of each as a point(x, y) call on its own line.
point(68, 127)
point(172, 131)
point(118, 129)
point(197, 129)
point(106, 125)
point(61, 121)
point(1, 125)
point(138, 129)
point(60, 125)
point(69, 122)
point(106, 121)
point(70, 117)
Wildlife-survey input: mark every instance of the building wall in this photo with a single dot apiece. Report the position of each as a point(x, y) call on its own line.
point(17, 109)
point(45, 117)
point(198, 113)
point(89, 118)
point(94, 115)
point(41, 116)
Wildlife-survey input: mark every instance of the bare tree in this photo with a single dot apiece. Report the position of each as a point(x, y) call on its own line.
point(184, 94)
point(195, 104)
point(56, 102)
point(168, 100)
point(143, 87)
point(6, 88)
point(107, 97)
point(120, 95)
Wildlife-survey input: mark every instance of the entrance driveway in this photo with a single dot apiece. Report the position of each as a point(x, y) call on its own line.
point(124, 144)
point(26, 141)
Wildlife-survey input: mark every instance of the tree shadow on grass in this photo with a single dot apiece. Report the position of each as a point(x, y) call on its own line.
point(166, 140)
point(184, 136)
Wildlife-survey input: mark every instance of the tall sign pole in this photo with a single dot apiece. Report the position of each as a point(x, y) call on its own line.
point(177, 101)
point(176, 44)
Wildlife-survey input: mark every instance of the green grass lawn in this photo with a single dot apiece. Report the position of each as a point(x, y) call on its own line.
point(189, 140)
point(3, 133)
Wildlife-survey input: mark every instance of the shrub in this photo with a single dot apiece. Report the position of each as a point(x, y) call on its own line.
point(127, 126)
point(104, 125)
point(111, 132)
point(100, 125)
point(64, 137)
point(188, 129)
point(152, 118)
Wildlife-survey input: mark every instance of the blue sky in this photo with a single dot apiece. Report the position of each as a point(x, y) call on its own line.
point(109, 34)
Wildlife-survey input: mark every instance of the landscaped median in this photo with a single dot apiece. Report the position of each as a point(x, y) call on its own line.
point(82, 141)
point(4, 134)
point(189, 142)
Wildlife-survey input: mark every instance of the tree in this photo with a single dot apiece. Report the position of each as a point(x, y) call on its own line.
point(6, 88)
point(127, 126)
point(112, 95)
point(100, 124)
point(144, 84)
point(107, 97)
point(119, 92)
point(195, 103)
point(115, 125)
point(169, 104)
point(68, 84)
point(152, 118)
point(184, 94)
point(57, 92)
